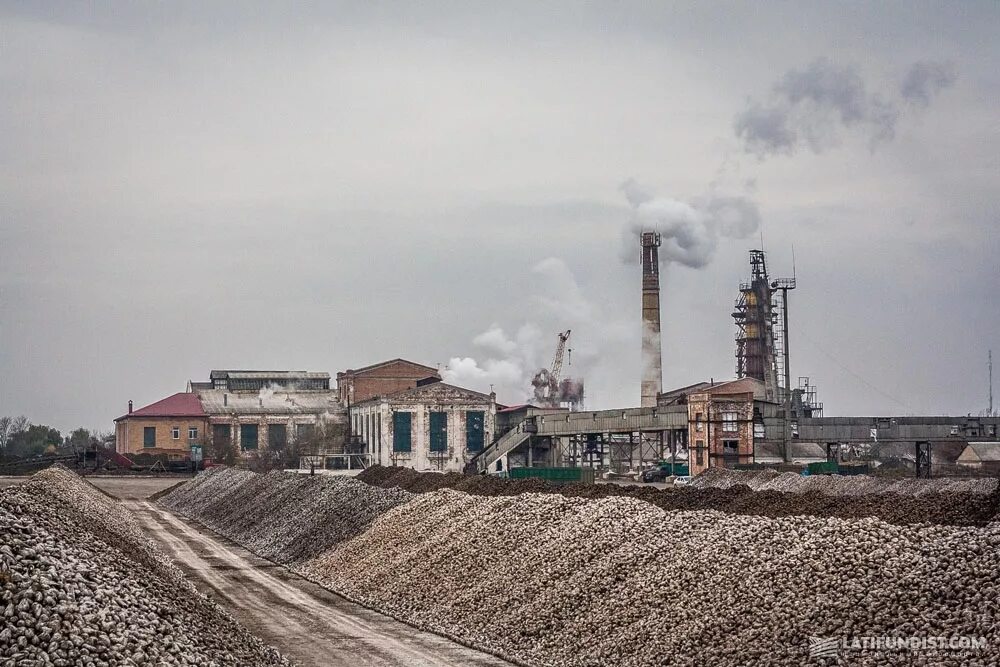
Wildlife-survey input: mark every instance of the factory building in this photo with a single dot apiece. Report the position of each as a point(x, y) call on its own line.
point(255, 411)
point(382, 379)
point(171, 426)
point(720, 421)
point(434, 426)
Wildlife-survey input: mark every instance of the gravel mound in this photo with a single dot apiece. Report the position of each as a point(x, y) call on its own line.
point(81, 585)
point(944, 502)
point(285, 517)
point(552, 580)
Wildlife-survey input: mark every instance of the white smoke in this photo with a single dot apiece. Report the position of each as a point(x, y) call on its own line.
point(813, 106)
point(509, 362)
point(690, 231)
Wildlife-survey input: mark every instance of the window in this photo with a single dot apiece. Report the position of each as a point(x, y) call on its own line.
point(697, 422)
point(401, 423)
point(303, 432)
point(439, 431)
point(758, 430)
point(730, 448)
point(277, 436)
point(474, 435)
point(149, 436)
point(248, 436)
point(221, 433)
point(729, 423)
point(175, 432)
point(699, 452)
point(192, 432)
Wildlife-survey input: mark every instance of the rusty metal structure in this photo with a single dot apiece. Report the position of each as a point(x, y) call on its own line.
point(652, 354)
point(761, 316)
point(551, 390)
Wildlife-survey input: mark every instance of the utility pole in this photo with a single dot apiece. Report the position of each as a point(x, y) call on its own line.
point(991, 382)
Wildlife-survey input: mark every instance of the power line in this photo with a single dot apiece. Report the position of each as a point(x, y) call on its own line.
point(856, 376)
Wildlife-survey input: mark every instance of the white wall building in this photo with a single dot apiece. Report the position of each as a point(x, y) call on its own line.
point(436, 426)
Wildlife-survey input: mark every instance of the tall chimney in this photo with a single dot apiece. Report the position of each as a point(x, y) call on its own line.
point(130, 407)
point(652, 356)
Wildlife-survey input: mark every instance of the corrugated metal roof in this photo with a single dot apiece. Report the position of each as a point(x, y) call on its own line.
point(267, 375)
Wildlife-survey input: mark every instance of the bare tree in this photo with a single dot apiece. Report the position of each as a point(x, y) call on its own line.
point(5, 424)
point(9, 426)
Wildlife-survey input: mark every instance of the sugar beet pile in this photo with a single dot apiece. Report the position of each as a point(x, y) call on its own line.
point(545, 579)
point(947, 502)
point(81, 585)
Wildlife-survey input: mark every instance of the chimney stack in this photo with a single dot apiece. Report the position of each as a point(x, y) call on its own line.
point(130, 407)
point(652, 356)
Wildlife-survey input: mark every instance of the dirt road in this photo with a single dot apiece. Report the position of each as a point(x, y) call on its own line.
point(305, 622)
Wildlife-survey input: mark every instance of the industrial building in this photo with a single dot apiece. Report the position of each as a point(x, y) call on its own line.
point(382, 379)
point(434, 426)
point(171, 427)
point(257, 410)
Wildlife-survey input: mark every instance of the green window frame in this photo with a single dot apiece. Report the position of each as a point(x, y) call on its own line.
point(277, 436)
point(439, 431)
point(221, 434)
point(148, 436)
point(402, 423)
point(248, 436)
point(475, 434)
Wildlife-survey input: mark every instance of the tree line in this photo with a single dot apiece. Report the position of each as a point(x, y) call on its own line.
point(20, 439)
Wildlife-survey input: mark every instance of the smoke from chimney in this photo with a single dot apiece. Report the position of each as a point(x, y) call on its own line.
point(652, 353)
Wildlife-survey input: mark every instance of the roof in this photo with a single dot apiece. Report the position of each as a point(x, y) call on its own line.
point(797, 451)
point(516, 408)
point(983, 451)
point(268, 375)
point(441, 388)
point(271, 402)
point(181, 404)
point(738, 386)
point(365, 369)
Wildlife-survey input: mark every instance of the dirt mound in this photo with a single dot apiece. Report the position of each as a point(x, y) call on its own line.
point(944, 503)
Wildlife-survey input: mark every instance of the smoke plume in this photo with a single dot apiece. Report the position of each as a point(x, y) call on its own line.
point(925, 80)
point(690, 231)
point(811, 108)
point(509, 362)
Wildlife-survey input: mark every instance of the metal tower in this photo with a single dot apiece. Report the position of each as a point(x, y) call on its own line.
point(757, 347)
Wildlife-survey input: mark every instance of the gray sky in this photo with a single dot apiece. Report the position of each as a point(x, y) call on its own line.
point(284, 186)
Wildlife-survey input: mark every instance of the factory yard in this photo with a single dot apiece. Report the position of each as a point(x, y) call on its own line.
point(404, 568)
point(310, 625)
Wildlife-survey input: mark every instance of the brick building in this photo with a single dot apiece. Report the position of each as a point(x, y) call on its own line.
point(433, 426)
point(720, 421)
point(382, 379)
point(171, 426)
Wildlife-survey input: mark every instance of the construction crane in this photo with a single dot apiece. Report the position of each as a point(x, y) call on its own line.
point(546, 380)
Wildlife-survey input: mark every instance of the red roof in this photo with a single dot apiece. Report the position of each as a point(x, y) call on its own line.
point(183, 404)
